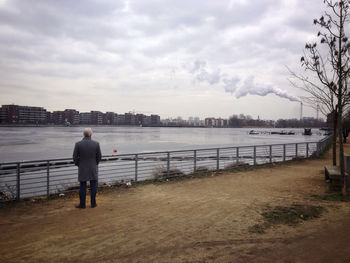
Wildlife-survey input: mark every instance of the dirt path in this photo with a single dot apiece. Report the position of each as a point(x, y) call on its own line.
point(198, 220)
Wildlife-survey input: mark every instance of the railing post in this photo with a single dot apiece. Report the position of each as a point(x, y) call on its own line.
point(48, 179)
point(254, 155)
point(18, 186)
point(168, 165)
point(284, 152)
point(237, 156)
point(296, 150)
point(318, 149)
point(136, 166)
point(270, 153)
point(217, 159)
point(194, 161)
point(307, 150)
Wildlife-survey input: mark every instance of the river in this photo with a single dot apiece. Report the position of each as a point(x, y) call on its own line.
point(35, 143)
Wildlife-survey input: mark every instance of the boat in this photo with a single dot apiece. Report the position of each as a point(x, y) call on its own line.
point(307, 131)
point(252, 132)
point(283, 133)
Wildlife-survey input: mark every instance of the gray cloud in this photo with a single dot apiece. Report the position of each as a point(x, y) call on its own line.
point(197, 65)
point(202, 74)
point(231, 84)
point(211, 78)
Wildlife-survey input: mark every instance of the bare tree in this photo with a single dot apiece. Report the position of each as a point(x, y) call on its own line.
point(329, 63)
point(320, 95)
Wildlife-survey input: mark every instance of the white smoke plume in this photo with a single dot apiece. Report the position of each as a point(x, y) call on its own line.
point(252, 88)
point(234, 85)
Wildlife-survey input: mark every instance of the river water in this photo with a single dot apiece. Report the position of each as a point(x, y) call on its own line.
point(36, 143)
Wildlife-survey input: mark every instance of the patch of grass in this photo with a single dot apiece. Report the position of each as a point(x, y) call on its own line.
point(163, 173)
point(286, 215)
point(333, 196)
point(234, 165)
point(292, 215)
point(259, 228)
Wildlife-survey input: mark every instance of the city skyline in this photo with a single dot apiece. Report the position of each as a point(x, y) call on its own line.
point(178, 58)
point(17, 114)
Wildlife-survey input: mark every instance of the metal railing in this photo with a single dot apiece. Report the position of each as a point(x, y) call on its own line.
point(46, 177)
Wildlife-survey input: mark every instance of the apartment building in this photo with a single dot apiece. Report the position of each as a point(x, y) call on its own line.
point(15, 114)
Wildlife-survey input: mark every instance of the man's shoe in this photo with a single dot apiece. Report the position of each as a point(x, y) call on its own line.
point(79, 206)
point(92, 206)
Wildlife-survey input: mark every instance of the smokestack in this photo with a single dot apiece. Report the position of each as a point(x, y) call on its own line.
point(318, 109)
point(301, 110)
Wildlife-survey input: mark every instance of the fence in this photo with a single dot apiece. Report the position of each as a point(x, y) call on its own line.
point(45, 177)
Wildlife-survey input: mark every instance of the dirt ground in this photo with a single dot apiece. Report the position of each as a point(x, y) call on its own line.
point(196, 220)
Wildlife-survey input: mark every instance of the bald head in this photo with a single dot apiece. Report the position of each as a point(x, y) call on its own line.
point(87, 132)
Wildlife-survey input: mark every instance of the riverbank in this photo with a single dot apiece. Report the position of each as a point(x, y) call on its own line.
point(199, 220)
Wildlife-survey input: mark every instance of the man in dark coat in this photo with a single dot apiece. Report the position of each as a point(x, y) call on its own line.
point(87, 155)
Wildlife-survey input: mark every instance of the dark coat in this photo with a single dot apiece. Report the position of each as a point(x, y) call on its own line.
point(87, 155)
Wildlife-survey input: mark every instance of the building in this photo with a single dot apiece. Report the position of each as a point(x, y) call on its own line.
point(146, 120)
point(68, 116)
point(15, 114)
point(110, 118)
point(168, 122)
point(96, 117)
point(213, 122)
point(58, 117)
point(220, 122)
point(130, 119)
point(49, 117)
point(85, 117)
point(139, 119)
point(3, 115)
point(155, 120)
point(197, 121)
point(121, 119)
point(210, 122)
point(194, 121)
point(71, 116)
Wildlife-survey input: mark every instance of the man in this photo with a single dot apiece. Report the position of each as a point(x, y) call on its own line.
point(87, 155)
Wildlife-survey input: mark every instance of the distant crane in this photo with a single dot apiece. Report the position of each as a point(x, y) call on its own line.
point(301, 109)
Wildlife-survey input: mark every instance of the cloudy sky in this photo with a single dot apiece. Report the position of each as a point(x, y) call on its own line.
point(174, 58)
